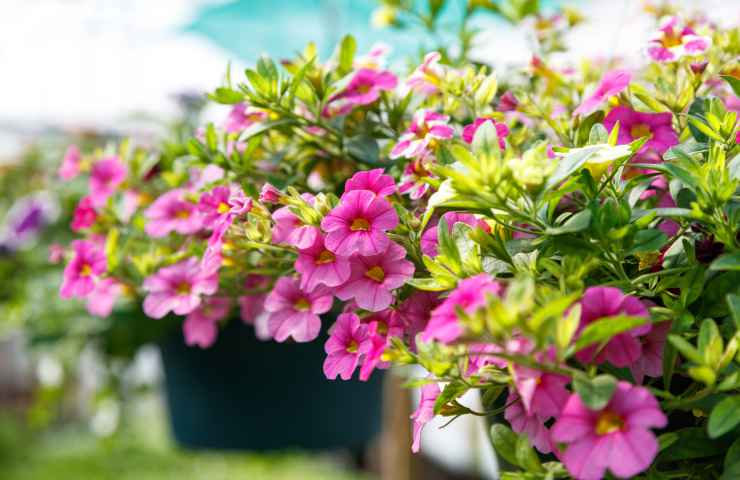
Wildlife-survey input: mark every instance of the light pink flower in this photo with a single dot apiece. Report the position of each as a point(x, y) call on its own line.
point(634, 125)
point(623, 349)
point(358, 224)
point(374, 180)
point(674, 39)
point(347, 343)
point(429, 239)
point(319, 266)
point(427, 127)
point(415, 174)
point(428, 76)
point(374, 277)
point(201, 325)
point(105, 176)
point(650, 362)
point(242, 116)
point(84, 215)
point(364, 89)
point(178, 288)
point(375, 58)
point(252, 304)
point(220, 207)
point(529, 423)
point(611, 84)
point(291, 230)
point(502, 131)
point(617, 437)
point(87, 264)
point(424, 413)
point(56, 253)
point(173, 212)
point(70, 166)
point(469, 296)
point(295, 312)
point(200, 177)
point(541, 393)
point(101, 300)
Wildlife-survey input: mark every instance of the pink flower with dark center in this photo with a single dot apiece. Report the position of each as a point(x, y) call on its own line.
point(634, 125)
point(364, 89)
point(616, 438)
point(101, 300)
point(374, 180)
point(374, 277)
point(650, 362)
point(242, 116)
point(173, 212)
point(502, 131)
point(84, 215)
point(674, 39)
point(295, 312)
point(105, 176)
point(178, 288)
point(70, 166)
point(291, 230)
point(611, 84)
point(319, 266)
point(529, 423)
point(358, 224)
point(624, 349)
point(346, 345)
point(424, 413)
point(428, 76)
point(429, 239)
point(427, 127)
point(469, 296)
point(87, 264)
point(201, 325)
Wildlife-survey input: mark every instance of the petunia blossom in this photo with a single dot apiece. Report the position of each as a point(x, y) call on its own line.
point(674, 39)
point(374, 180)
point(428, 76)
point(87, 264)
point(415, 175)
point(295, 312)
point(103, 297)
point(541, 393)
point(650, 362)
point(611, 84)
point(358, 224)
point(84, 215)
point(178, 288)
point(374, 277)
point(382, 326)
point(429, 239)
point(529, 423)
point(427, 127)
point(364, 88)
point(634, 125)
point(501, 130)
point(346, 345)
point(616, 438)
point(105, 176)
point(70, 166)
point(201, 325)
point(319, 266)
point(173, 212)
point(243, 116)
point(424, 412)
point(290, 229)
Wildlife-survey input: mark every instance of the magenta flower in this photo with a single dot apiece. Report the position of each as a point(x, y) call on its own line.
point(358, 224)
point(429, 239)
point(414, 180)
point(347, 343)
point(70, 166)
point(374, 277)
point(470, 295)
point(364, 89)
point(611, 84)
point(502, 131)
point(87, 264)
point(178, 288)
point(173, 212)
point(650, 362)
point(101, 300)
point(617, 437)
point(541, 393)
point(424, 413)
point(241, 117)
point(674, 40)
point(427, 127)
point(428, 76)
point(634, 125)
point(382, 326)
point(529, 423)
point(291, 230)
point(84, 215)
point(201, 325)
point(415, 311)
point(623, 349)
point(105, 176)
point(508, 102)
point(270, 194)
point(200, 177)
point(220, 207)
point(374, 180)
point(319, 266)
point(295, 312)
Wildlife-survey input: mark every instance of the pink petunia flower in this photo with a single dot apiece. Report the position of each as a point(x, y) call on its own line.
point(374, 277)
point(70, 166)
point(252, 305)
point(87, 264)
point(364, 89)
point(617, 437)
point(429, 239)
point(541, 393)
point(650, 362)
point(105, 176)
point(415, 174)
point(242, 116)
point(382, 326)
point(201, 325)
point(424, 413)
point(427, 127)
point(611, 84)
point(415, 311)
point(469, 296)
point(634, 125)
point(295, 312)
point(347, 343)
point(84, 215)
point(178, 288)
point(428, 76)
point(374, 180)
point(173, 212)
point(220, 207)
point(291, 230)
point(529, 423)
point(101, 300)
point(623, 349)
point(674, 39)
point(358, 224)
point(502, 131)
point(319, 266)
point(375, 58)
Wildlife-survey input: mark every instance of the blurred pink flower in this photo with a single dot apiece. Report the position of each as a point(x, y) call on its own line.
point(634, 125)
point(173, 212)
point(242, 116)
point(101, 300)
point(84, 215)
point(414, 175)
point(427, 76)
point(650, 362)
point(105, 176)
point(611, 84)
point(178, 288)
point(201, 325)
point(424, 413)
point(70, 166)
point(427, 126)
point(364, 89)
point(87, 264)
point(674, 39)
point(501, 130)
point(529, 423)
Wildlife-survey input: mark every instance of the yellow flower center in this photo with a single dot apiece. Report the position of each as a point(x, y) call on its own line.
point(640, 130)
point(302, 304)
point(609, 422)
point(183, 214)
point(375, 273)
point(363, 88)
point(223, 207)
point(360, 224)
point(670, 40)
point(352, 347)
point(86, 270)
point(325, 257)
point(183, 288)
point(382, 327)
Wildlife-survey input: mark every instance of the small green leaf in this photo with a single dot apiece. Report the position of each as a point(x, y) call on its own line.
point(686, 349)
point(724, 417)
point(595, 392)
point(734, 83)
point(648, 240)
point(504, 443)
point(576, 223)
point(733, 302)
point(526, 456)
point(728, 261)
point(347, 54)
point(605, 328)
point(226, 96)
point(569, 164)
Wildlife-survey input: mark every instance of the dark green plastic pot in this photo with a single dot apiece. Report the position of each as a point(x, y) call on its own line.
point(246, 394)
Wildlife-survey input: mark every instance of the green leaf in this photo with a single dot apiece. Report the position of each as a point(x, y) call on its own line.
point(733, 303)
point(595, 392)
point(734, 83)
point(734, 167)
point(649, 240)
point(728, 261)
point(686, 349)
point(576, 223)
point(693, 443)
point(452, 391)
point(569, 164)
point(698, 108)
point(724, 417)
point(732, 459)
point(428, 284)
point(526, 456)
point(605, 328)
point(364, 148)
point(226, 96)
point(504, 443)
point(347, 54)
